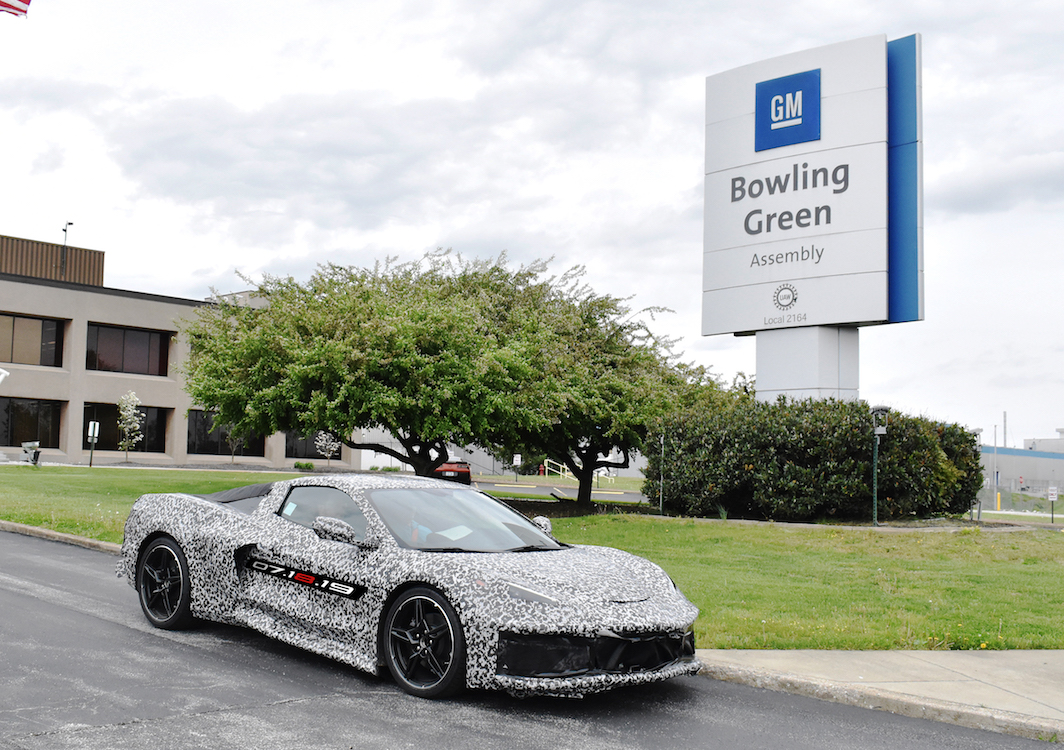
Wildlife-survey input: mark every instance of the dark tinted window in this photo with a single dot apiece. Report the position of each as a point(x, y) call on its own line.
point(133, 350)
point(206, 438)
point(153, 429)
point(303, 447)
point(52, 343)
point(23, 420)
point(109, 350)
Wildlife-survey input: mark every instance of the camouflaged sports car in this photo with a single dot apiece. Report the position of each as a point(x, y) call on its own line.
point(445, 586)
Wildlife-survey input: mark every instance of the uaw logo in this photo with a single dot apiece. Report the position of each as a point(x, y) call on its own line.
point(785, 297)
point(787, 110)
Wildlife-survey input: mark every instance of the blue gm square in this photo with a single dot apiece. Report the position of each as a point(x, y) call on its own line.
point(787, 110)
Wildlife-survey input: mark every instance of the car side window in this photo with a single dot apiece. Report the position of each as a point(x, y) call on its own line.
point(304, 504)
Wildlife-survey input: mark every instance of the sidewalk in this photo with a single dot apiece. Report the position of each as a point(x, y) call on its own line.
point(1012, 692)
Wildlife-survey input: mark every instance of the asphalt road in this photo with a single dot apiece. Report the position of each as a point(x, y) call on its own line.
point(80, 668)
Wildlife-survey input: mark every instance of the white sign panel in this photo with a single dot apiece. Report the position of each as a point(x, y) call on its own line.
point(796, 191)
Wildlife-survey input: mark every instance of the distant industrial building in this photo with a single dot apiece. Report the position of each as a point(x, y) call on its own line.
point(1018, 478)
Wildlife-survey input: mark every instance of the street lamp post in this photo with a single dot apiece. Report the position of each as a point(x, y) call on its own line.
point(63, 252)
point(880, 417)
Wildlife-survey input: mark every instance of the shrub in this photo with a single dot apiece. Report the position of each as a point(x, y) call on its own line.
point(304, 466)
point(808, 460)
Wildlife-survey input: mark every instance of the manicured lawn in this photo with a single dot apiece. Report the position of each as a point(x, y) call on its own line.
point(757, 585)
point(95, 502)
point(779, 586)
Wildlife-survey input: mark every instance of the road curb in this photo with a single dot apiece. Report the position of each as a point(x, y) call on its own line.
point(992, 720)
point(58, 536)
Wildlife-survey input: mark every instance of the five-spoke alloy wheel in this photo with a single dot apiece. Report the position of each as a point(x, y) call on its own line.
point(163, 585)
point(423, 644)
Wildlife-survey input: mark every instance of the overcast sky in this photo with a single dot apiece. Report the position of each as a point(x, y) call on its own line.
point(189, 140)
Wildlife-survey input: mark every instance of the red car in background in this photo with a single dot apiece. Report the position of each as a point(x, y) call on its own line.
point(454, 471)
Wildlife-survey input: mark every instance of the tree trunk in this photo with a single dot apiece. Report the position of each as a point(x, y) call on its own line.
point(585, 475)
point(418, 455)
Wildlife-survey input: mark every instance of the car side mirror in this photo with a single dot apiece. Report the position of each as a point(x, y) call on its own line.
point(335, 530)
point(543, 524)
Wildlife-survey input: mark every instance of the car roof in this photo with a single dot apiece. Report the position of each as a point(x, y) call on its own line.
point(351, 481)
point(239, 493)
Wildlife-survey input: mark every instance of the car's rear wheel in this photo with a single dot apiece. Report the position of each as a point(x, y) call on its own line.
point(423, 644)
point(163, 585)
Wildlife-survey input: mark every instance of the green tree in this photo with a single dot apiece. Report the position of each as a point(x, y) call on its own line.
point(433, 352)
point(604, 379)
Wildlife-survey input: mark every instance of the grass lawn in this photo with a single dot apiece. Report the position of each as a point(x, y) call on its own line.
point(95, 502)
point(757, 585)
point(780, 586)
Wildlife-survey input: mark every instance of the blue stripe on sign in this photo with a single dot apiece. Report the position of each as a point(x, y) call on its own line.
point(903, 168)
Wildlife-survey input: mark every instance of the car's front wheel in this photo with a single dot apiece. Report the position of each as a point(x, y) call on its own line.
point(423, 644)
point(163, 585)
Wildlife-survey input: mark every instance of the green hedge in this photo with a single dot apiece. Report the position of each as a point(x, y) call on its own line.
point(809, 460)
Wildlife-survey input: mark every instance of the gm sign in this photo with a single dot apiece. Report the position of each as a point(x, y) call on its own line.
point(787, 111)
point(813, 190)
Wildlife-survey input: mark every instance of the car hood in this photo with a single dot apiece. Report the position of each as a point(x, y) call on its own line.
point(587, 573)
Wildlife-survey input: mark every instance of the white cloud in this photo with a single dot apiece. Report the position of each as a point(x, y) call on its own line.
point(264, 137)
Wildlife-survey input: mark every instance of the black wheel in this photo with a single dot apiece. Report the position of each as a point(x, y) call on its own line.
point(163, 585)
point(424, 646)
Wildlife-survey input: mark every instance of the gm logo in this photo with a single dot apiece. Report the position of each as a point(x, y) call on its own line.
point(787, 110)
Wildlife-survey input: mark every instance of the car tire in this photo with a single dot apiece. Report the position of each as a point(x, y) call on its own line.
point(164, 586)
point(423, 644)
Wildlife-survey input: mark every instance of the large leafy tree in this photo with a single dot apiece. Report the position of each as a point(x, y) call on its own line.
point(606, 378)
point(435, 352)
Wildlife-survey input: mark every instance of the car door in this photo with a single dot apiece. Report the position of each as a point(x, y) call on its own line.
point(311, 586)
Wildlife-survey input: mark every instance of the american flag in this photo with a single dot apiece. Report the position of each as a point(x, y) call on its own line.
point(17, 7)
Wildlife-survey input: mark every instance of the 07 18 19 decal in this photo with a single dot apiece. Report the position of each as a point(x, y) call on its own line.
point(328, 585)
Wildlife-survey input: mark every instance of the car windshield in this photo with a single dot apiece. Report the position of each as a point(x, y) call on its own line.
point(438, 519)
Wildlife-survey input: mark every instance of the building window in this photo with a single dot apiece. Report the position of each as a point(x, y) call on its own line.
point(31, 341)
point(132, 350)
point(204, 438)
point(153, 429)
point(23, 420)
point(302, 447)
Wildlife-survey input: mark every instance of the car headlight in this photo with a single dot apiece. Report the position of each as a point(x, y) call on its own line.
point(523, 593)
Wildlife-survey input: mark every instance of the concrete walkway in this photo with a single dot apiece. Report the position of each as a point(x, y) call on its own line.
point(1012, 692)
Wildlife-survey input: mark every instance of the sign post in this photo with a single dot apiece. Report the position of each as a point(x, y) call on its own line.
point(1052, 503)
point(93, 437)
